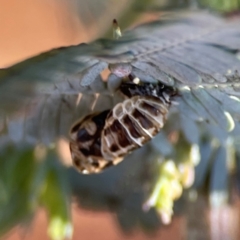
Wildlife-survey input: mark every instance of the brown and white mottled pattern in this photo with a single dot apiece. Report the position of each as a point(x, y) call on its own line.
point(103, 139)
point(131, 124)
point(85, 144)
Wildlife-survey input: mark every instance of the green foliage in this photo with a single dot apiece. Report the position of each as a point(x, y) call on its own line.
point(17, 171)
point(55, 198)
point(222, 5)
point(26, 184)
point(174, 175)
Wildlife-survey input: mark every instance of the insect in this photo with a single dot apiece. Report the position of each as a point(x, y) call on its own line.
point(103, 139)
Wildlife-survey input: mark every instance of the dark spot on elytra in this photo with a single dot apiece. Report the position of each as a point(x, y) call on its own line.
point(131, 126)
point(77, 162)
point(150, 108)
point(95, 164)
point(122, 136)
point(100, 119)
point(84, 151)
point(83, 135)
point(96, 148)
point(144, 121)
point(107, 131)
point(114, 148)
point(93, 150)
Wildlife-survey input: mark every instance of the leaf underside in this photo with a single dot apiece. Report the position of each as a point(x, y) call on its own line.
point(197, 53)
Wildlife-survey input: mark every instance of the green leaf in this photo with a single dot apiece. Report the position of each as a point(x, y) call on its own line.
point(55, 198)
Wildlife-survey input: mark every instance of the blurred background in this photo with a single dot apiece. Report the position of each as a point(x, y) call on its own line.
point(43, 197)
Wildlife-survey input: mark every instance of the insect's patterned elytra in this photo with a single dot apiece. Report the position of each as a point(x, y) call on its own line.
point(101, 140)
point(85, 145)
